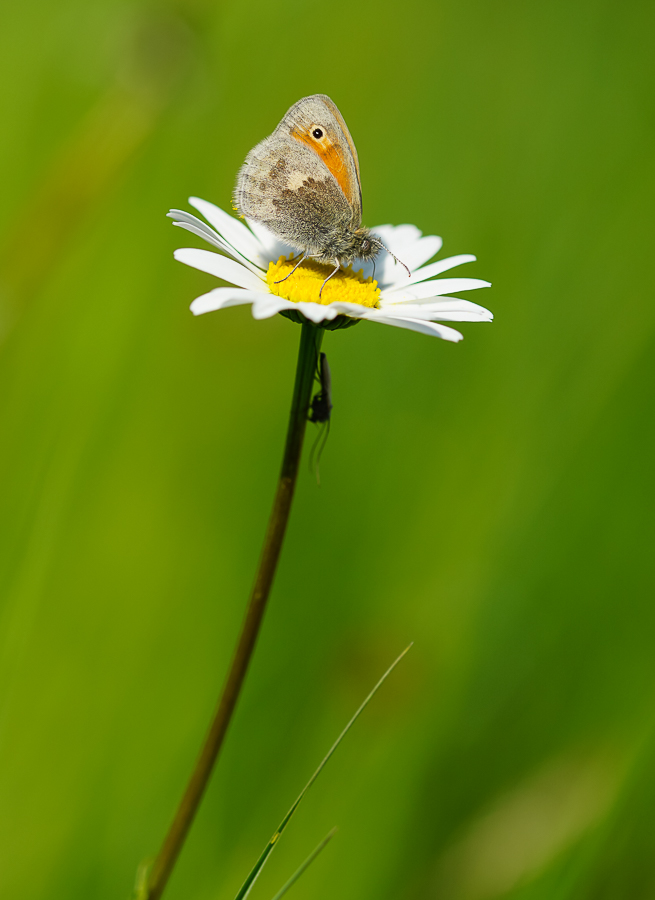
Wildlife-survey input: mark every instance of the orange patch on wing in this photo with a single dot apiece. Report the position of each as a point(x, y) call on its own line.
point(334, 159)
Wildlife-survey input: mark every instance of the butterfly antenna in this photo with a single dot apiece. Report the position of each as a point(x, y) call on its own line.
point(406, 268)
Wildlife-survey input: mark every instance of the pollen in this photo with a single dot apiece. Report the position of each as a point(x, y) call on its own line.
point(305, 284)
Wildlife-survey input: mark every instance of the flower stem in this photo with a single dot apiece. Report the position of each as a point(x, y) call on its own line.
point(310, 342)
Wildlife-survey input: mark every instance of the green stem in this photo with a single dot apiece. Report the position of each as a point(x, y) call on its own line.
point(310, 342)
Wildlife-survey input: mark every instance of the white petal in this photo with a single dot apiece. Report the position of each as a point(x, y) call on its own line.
point(397, 236)
point(444, 286)
point(211, 238)
point(269, 304)
point(411, 294)
point(411, 290)
point(231, 230)
point(419, 252)
point(188, 220)
point(274, 248)
point(433, 269)
point(221, 298)
point(431, 328)
point(413, 255)
point(195, 226)
point(429, 294)
point(220, 266)
point(452, 311)
point(451, 306)
point(446, 303)
point(355, 310)
point(317, 312)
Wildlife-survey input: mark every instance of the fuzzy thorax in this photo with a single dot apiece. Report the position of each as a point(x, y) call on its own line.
point(305, 284)
point(346, 246)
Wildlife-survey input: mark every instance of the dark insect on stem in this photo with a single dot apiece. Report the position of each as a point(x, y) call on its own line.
point(320, 411)
point(320, 408)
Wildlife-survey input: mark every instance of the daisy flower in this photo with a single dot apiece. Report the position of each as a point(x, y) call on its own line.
point(255, 263)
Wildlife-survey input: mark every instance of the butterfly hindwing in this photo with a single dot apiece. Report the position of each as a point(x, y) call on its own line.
point(285, 186)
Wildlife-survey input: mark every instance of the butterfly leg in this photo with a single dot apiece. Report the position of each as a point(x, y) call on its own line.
point(338, 266)
point(303, 257)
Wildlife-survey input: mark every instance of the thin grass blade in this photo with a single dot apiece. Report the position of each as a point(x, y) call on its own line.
point(261, 862)
point(310, 859)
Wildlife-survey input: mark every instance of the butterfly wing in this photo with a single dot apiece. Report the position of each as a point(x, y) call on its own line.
point(303, 187)
point(334, 147)
point(287, 188)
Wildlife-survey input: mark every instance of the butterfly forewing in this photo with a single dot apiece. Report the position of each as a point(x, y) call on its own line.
point(334, 146)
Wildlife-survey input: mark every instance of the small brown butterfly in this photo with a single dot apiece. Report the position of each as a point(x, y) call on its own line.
point(303, 184)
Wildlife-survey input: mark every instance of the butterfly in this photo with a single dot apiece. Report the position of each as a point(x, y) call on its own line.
point(303, 184)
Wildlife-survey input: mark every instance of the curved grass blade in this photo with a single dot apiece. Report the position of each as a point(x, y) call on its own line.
point(141, 882)
point(310, 859)
point(261, 862)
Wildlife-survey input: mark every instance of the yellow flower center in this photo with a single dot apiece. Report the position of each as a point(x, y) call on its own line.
point(305, 283)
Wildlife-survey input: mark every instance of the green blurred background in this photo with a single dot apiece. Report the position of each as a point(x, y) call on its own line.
point(492, 500)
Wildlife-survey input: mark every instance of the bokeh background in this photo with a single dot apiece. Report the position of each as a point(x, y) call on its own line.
point(492, 500)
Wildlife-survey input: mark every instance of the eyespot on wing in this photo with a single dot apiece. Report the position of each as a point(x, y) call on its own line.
point(334, 159)
point(335, 147)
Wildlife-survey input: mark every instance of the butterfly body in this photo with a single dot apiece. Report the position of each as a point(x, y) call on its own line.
point(302, 182)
